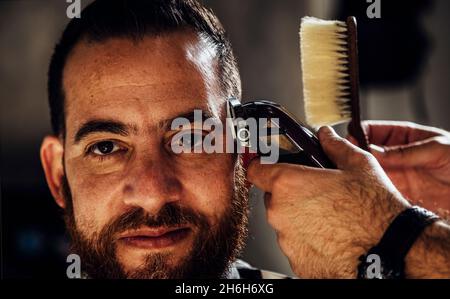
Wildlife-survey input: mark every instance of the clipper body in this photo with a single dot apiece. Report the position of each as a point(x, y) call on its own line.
point(298, 145)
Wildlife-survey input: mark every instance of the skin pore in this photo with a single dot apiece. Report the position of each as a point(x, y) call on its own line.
point(121, 96)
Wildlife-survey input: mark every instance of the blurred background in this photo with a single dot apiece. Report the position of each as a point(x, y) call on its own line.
point(404, 68)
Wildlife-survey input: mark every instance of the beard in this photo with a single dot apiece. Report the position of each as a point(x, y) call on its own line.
point(214, 247)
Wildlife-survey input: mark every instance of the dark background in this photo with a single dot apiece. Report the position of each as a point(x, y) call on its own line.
point(404, 60)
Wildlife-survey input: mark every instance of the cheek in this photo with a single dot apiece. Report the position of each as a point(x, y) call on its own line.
point(211, 185)
point(94, 199)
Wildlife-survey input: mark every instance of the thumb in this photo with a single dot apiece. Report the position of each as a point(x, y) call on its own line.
point(415, 154)
point(338, 149)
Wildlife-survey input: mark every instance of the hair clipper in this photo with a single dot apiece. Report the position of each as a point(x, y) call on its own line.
point(297, 144)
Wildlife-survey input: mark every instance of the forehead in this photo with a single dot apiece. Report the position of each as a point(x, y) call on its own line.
point(159, 76)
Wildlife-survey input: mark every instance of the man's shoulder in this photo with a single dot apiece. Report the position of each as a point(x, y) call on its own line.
point(243, 270)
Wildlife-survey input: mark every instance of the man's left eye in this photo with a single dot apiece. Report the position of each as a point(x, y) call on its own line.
point(189, 140)
point(104, 148)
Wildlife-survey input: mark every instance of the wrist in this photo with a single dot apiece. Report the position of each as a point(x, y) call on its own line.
point(376, 221)
point(388, 210)
point(429, 255)
point(388, 257)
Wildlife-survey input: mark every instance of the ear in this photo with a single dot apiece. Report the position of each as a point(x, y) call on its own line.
point(52, 152)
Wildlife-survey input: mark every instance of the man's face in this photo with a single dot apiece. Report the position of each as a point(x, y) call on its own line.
point(131, 202)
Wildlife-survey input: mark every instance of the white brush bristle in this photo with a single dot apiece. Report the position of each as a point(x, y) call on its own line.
point(324, 59)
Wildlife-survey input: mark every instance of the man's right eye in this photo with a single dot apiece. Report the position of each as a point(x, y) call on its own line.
point(104, 148)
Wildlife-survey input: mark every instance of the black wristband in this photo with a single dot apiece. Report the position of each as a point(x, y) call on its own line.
point(397, 241)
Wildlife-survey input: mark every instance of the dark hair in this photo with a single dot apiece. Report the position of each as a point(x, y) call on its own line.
point(136, 19)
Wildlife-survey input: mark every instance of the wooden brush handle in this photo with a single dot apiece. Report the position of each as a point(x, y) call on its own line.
point(354, 126)
point(355, 129)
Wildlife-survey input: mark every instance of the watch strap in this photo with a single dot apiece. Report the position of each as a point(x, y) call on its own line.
point(398, 240)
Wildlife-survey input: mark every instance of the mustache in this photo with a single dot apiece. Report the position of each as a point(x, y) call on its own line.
point(169, 215)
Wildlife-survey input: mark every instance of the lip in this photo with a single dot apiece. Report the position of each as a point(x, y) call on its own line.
point(155, 238)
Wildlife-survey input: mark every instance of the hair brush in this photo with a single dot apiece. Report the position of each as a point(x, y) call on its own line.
point(329, 58)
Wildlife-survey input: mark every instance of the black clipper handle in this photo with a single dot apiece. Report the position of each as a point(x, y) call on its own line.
point(315, 157)
point(310, 151)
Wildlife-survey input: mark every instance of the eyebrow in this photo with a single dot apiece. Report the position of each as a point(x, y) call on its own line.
point(94, 126)
point(118, 127)
point(190, 116)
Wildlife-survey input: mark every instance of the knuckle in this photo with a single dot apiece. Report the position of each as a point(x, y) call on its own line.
point(280, 181)
point(370, 159)
point(359, 158)
point(285, 177)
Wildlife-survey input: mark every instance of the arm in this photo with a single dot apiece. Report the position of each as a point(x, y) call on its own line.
point(326, 219)
point(430, 255)
point(417, 160)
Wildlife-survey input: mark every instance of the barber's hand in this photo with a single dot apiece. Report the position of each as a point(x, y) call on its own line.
point(326, 219)
point(417, 160)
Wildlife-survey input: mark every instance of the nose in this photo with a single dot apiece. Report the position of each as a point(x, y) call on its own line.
point(151, 183)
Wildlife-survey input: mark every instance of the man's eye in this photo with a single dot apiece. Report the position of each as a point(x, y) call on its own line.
point(190, 139)
point(104, 148)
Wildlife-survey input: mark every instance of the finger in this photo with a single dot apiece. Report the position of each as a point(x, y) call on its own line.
point(263, 175)
point(390, 133)
point(352, 140)
point(338, 149)
point(416, 154)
